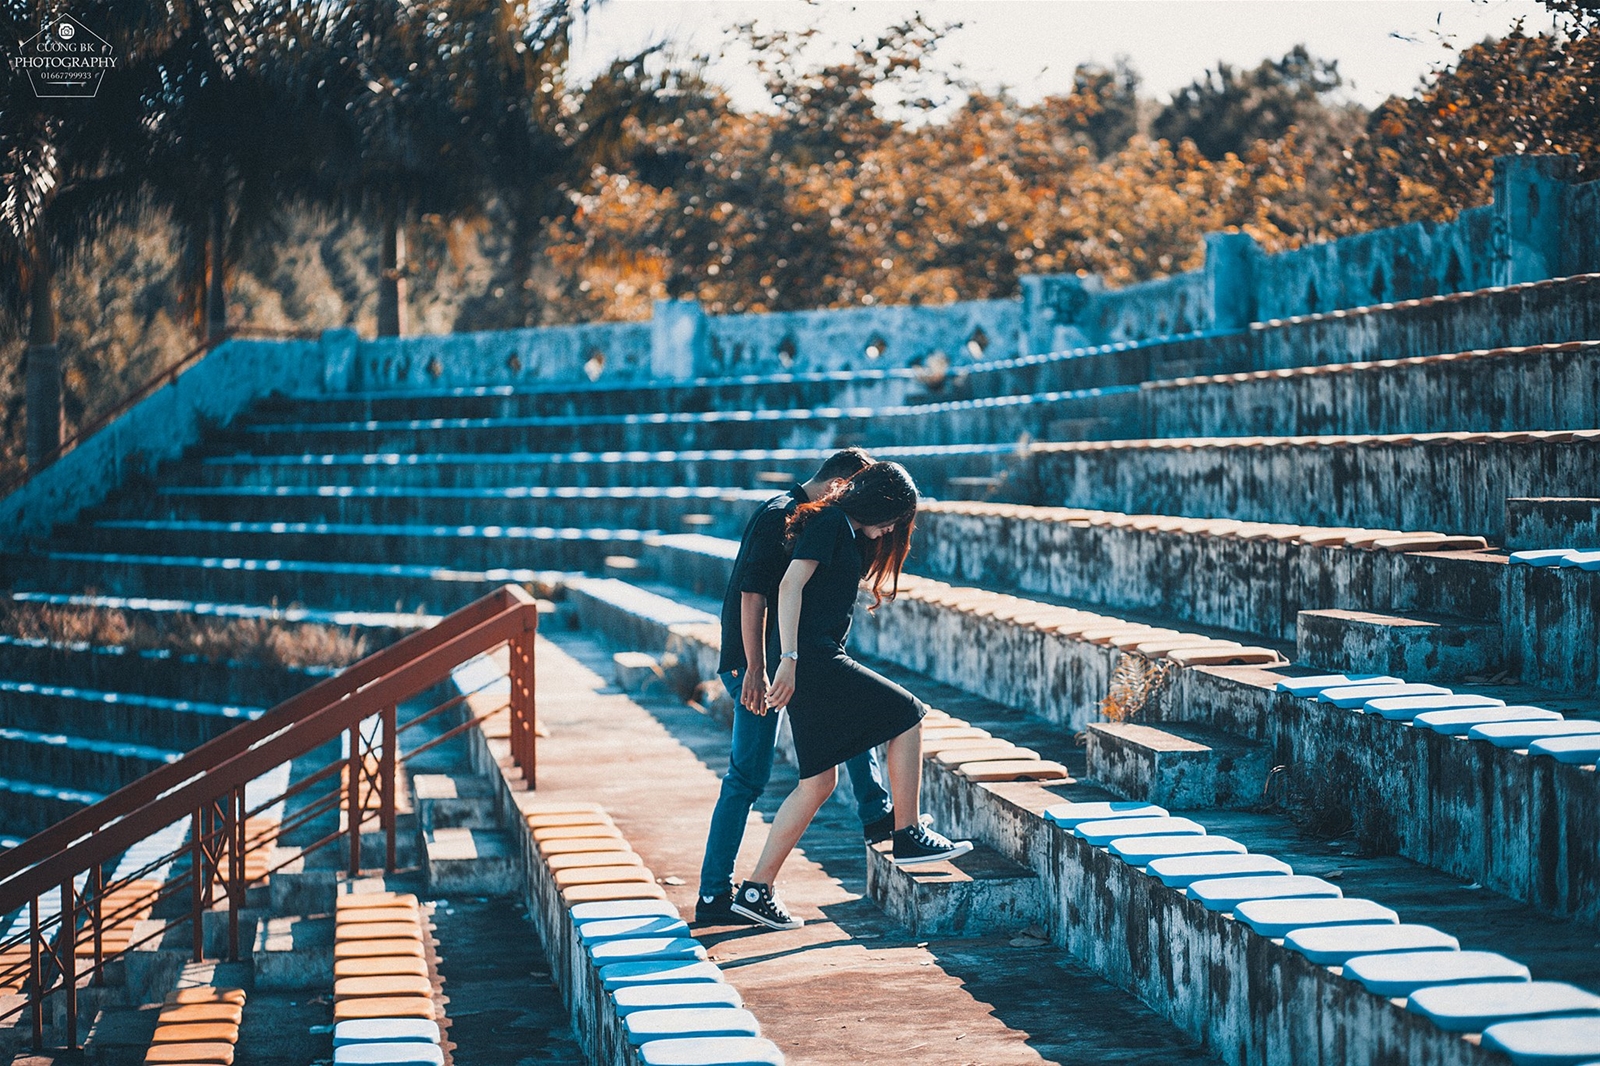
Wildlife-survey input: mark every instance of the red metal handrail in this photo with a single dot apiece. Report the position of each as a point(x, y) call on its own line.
point(207, 786)
point(157, 380)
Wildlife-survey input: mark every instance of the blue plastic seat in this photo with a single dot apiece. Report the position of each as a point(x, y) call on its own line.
point(1460, 722)
point(619, 974)
point(1226, 893)
point(660, 947)
point(1583, 560)
point(1405, 708)
point(654, 925)
point(675, 1023)
point(1314, 685)
point(711, 1051)
point(385, 1031)
point(1069, 815)
point(622, 908)
point(406, 1053)
point(1521, 734)
point(1280, 917)
point(1546, 1041)
point(1101, 833)
point(630, 998)
point(1402, 973)
point(1333, 945)
point(1543, 556)
point(1473, 1008)
point(1357, 695)
point(1181, 871)
point(1140, 850)
point(1575, 751)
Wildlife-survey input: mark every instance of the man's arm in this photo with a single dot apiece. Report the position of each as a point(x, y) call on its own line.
point(753, 629)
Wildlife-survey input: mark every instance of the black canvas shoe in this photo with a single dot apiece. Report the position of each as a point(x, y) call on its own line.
point(716, 910)
point(757, 902)
point(880, 829)
point(917, 844)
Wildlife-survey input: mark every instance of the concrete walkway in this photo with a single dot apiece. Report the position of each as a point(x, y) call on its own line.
point(850, 983)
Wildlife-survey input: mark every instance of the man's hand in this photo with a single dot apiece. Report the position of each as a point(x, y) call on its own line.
point(782, 689)
point(753, 695)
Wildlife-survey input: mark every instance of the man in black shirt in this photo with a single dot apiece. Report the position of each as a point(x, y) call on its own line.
point(749, 630)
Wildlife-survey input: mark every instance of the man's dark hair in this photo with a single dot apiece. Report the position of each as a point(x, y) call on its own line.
point(847, 463)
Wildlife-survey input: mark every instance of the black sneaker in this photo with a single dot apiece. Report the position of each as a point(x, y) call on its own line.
point(716, 910)
point(880, 829)
point(917, 844)
point(756, 902)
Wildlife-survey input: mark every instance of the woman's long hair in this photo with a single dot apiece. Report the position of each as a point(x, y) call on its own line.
point(879, 494)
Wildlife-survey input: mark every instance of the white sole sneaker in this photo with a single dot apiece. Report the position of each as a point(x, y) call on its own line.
point(960, 847)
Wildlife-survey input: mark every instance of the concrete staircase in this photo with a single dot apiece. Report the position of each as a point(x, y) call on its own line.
point(1332, 494)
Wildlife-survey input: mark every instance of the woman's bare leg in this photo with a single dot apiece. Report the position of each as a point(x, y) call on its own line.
point(790, 822)
point(905, 776)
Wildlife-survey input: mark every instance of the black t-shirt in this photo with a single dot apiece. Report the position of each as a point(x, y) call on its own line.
point(758, 568)
point(829, 599)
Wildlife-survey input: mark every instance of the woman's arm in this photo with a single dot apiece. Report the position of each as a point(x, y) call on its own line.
point(790, 590)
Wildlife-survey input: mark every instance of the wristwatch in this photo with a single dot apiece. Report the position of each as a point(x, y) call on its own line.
point(790, 655)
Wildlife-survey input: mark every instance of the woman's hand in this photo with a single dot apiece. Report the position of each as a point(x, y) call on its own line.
point(782, 688)
point(753, 695)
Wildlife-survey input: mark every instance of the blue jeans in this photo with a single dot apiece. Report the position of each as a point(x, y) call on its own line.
point(749, 768)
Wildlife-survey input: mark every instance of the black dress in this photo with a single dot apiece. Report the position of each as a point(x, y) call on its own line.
point(839, 708)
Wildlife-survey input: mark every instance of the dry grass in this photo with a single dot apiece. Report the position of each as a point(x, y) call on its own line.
point(1135, 681)
point(254, 640)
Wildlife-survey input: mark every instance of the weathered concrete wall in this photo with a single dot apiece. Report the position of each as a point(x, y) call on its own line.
point(210, 393)
point(1405, 483)
point(844, 339)
point(615, 351)
point(1540, 225)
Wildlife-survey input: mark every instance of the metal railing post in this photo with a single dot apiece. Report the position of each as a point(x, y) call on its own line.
point(35, 975)
point(352, 798)
point(96, 913)
point(197, 862)
point(233, 824)
point(386, 783)
point(67, 957)
point(523, 714)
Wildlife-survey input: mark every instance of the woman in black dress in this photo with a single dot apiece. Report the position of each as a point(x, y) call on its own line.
point(837, 707)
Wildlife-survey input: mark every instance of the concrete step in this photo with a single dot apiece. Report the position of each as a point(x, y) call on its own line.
point(570, 398)
point(1456, 482)
point(981, 893)
point(453, 800)
point(1256, 578)
point(751, 468)
point(1180, 766)
point(966, 421)
point(388, 592)
point(1416, 647)
point(292, 952)
point(667, 508)
point(1537, 386)
point(151, 671)
point(1552, 522)
point(77, 762)
point(473, 547)
point(30, 807)
point(473, 862)
point(124, 717)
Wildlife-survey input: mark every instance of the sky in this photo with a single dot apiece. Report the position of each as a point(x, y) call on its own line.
point(1383, 47)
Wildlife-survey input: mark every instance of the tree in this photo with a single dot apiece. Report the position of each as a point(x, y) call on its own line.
point(1431, 155)
point(1226, 111)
